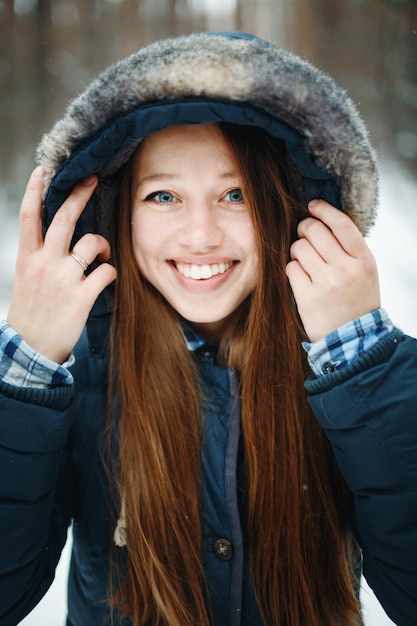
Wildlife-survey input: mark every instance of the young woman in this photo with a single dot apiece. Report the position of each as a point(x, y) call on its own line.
point(213, 472)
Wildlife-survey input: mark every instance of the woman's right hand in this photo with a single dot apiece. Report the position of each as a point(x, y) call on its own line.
point(52, 297)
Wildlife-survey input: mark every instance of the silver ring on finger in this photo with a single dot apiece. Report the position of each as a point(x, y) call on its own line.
point(79, 260)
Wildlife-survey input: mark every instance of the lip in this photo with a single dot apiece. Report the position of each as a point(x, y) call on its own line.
point(203, 285)
point(201, 260)
point(202, 272)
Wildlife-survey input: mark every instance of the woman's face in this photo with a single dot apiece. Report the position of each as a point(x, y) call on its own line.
point(192, 234)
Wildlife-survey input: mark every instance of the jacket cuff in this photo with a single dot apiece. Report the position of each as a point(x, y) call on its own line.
point(378, 354)
point(58, 398)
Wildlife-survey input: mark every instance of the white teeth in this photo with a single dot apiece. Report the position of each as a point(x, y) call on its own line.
point(205, 271)
point(198, 272)
point(195, 272)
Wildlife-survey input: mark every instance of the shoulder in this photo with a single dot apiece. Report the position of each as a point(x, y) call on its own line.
point(375, 397)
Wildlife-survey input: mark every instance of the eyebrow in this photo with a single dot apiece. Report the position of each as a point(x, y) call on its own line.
point(155, 177)
point(160, 176)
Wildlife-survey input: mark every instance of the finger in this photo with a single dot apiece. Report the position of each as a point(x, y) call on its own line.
point(320, 238)
point(299, 279)
point(98, 280)
point(341, 225)
point(89, 248)
point(307, 256)
point(30, 228)
point(60, 232)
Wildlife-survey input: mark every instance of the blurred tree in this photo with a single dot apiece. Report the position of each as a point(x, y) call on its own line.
point(7, 87)
point(370, 47)
point(50, 50)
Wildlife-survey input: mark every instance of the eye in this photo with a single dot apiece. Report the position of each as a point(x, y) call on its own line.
point(163, 197)
point(234, 195)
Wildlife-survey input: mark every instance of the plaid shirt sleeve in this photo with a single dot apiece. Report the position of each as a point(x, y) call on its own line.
point(344, 345)
point(21, 366)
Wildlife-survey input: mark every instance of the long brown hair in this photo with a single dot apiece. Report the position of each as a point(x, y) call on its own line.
point(297, 504)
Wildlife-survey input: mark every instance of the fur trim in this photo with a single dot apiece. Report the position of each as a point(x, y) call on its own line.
point(240, 69)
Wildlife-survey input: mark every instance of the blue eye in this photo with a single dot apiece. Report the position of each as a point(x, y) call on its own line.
point(235, 195)
point(163, 197)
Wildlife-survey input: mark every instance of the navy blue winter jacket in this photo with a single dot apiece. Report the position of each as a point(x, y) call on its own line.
point(51, 466)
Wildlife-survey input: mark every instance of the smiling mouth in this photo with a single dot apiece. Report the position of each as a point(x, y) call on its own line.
point(202, 272)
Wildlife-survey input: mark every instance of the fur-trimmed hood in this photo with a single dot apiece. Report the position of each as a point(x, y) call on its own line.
point(205, 77)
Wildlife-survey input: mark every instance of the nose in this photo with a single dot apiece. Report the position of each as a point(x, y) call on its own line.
point(200, 230)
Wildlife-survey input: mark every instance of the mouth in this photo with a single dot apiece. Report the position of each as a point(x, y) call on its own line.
point(202, 272)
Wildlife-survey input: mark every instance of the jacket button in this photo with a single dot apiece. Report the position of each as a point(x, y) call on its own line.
point(328, 367)
point(223, 549)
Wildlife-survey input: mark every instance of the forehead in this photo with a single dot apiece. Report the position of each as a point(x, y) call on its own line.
point(177, 147)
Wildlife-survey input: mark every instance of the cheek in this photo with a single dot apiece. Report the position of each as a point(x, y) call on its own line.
point(249, 242)
point(149, 243)
point(246, 236)
point(253, 273)
point(140, 243)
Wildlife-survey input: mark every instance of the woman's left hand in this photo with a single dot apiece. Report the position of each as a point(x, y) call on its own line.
point(332, 273)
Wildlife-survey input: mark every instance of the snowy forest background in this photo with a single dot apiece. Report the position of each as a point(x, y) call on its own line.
point(50, 50)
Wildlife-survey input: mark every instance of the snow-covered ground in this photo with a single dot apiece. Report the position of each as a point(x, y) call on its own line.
point(394, 243)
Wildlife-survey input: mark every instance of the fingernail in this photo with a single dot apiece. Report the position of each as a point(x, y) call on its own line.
point(89, 180)
point(38, 172)
point(313, 203)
